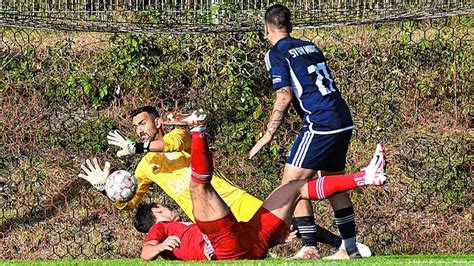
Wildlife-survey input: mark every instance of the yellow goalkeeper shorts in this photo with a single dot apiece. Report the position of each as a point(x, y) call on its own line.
point(245, 207)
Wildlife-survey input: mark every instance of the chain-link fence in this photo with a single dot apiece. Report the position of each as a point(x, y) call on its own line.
point(211, 15)
point(71, 70)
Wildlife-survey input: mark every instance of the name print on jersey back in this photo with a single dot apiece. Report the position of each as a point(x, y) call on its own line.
point(307, 49)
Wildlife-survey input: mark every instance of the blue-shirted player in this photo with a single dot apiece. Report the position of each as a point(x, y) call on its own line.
point(301, 76)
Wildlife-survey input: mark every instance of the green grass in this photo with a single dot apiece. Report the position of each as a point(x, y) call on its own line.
point(379, 260)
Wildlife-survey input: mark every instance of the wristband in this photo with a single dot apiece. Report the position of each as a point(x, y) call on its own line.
point(142, 147)
point(100, 187)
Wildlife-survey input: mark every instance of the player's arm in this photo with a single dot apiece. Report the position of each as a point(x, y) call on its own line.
point(151, 249)
point(175, 141)
point(280, 109)
point(157, 145)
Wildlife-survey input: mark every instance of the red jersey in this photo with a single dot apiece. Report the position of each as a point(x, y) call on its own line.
point(224, 238)
point(192, 241)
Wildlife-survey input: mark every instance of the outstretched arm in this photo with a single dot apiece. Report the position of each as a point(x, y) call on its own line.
point(153, 248)
point(175, 141)
point(280, 108)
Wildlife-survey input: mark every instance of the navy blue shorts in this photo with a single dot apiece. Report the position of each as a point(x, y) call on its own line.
point(320, 152)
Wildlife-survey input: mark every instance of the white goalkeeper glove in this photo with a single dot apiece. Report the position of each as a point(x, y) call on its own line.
point(128, 147)
point(94, 175)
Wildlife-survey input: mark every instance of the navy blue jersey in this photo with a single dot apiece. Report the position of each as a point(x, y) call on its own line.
point(301, 65)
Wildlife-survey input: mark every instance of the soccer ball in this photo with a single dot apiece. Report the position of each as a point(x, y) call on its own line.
point(120, 186)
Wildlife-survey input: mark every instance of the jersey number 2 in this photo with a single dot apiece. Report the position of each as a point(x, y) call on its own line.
point(322, 73)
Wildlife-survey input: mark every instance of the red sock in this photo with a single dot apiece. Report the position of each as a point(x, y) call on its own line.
point(327, 186)
point(201, 159)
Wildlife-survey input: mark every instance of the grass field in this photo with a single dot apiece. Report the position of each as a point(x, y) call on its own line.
point(380, 260)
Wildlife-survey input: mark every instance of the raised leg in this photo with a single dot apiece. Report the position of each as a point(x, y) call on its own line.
point(283, 200)
point(207, 204)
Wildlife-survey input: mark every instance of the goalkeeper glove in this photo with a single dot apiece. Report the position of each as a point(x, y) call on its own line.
point(94, 175)
point(128, 147)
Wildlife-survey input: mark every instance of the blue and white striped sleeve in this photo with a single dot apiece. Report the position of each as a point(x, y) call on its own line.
point(278, 69)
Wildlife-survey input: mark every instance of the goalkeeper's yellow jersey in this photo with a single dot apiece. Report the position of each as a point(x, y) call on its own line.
point(170, 170)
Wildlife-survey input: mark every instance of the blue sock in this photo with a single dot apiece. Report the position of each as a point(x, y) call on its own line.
point(307, 229)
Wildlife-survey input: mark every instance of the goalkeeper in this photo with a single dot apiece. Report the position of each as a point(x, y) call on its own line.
point(167, 165)
point(217, 235)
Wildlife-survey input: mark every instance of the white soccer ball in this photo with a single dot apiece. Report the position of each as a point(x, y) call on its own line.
point(120, 186)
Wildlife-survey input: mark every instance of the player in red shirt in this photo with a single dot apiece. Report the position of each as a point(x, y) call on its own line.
point(216, 233)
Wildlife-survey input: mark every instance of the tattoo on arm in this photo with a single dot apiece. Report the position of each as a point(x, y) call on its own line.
point(279, 110)
point(276, 120)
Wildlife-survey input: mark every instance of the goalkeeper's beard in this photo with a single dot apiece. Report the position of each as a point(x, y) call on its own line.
point(147, 137)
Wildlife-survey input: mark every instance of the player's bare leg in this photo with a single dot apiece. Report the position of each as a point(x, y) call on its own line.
point(291, 173)
point(304, 214)
point(207, 204)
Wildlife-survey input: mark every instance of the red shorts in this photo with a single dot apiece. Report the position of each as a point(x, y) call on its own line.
point(232, 240)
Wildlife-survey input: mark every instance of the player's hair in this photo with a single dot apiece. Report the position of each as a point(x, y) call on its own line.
point(147, 109)
point(144, 218)
point(278, 16)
